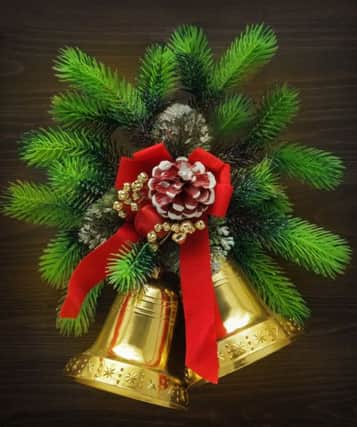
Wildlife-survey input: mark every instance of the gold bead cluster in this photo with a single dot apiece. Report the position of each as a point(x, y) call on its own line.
point(179, 231)
point(130, 195)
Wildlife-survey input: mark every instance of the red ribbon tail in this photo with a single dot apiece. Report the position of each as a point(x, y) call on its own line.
point(200, 307)
point(92, 269)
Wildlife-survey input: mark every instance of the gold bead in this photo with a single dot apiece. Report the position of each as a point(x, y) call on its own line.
point(117, 205)
point(126, 187)
point(158, 228)
point(152, 237)
point(122, 214)
point(122, 195)
point(175, 227)
point(187, 227)
point(179, 238)
point(143, 177)
point(166, 226)
point(136, 185)
point(127, 201)
point(134, 207)
point(135, 196)
point(200, 225)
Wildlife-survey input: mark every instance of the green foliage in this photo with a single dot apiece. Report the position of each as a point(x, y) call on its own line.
point(80, 325)
point(194, 60)
point(43, 147)
point(247, 53)
point(60, 258)
point(122, 102)
point(276, 290)
point(258, 185)
point(157, 77)
point(318, 168)
point(131, 267)
point(40, 204)
point(231, 115)
point(74, 110)
point(276, 111)
point(82, 182)
point(310, 246)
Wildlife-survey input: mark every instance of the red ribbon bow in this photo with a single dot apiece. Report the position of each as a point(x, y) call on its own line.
point(202, 318)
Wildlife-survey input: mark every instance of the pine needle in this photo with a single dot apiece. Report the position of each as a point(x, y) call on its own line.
point(276, 111)
point(247, 54)
point(60, 258)
point(74, 110)
point(231, 115)
point(80, 325)
point(131, 267)
point(194, 60)
point(157, 77)
point(121, 100)
point(310, 165)
point(270, 282)
point(310, 246)
point(39, 204)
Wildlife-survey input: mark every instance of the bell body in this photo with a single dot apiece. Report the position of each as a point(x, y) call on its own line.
point(252, 330)
point(130, 356)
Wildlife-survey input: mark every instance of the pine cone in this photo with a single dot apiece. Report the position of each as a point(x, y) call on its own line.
point(180, 189)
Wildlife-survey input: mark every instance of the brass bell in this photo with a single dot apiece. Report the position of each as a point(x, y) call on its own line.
point(252, 330)
point(130, 356)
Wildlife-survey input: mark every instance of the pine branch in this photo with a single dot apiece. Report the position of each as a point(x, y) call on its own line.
point(310, 246)
point(157, 77)
point(231, 115)
point(40, 204)
point(258, 185)
point(131, 267)
point(121, 100)
point(81, 181)
point(74, 110)
point(59, 259)
point(318, 168)
point(270, 282)
point(80, 325)
point(276, 111)
point(246, 54)
point(194, 59)
point(45, 146)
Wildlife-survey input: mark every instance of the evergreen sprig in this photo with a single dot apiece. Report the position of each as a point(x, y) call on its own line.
point(40, 204)
point(246, 54)
point(310, 246)
point(131, 267)
point(258, 185)
point(43, 147)
point(231, 115)
point(122, 102)
point(80, 325)
point(157, 77)
point(319, 168)
point(75, 110)
point(270, 282)
point(59, 259)
point(194, 60)
point(79, 180)
point(276, 111)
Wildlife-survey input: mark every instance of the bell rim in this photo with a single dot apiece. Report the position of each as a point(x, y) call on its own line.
point(173, 396)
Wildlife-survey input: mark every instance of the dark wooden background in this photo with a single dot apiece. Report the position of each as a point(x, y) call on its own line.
point(311, 383)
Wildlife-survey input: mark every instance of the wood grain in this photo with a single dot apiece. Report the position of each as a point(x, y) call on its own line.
point(311, 383)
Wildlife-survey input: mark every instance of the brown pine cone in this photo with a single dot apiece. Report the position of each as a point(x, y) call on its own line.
point(180, 189)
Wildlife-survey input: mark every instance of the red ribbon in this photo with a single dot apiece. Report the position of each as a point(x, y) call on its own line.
point(203, 323)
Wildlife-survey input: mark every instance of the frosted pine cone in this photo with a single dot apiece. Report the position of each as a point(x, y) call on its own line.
point(180, 189)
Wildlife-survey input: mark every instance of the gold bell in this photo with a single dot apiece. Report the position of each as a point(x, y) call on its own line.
point(253, 331)
point(130, 356)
